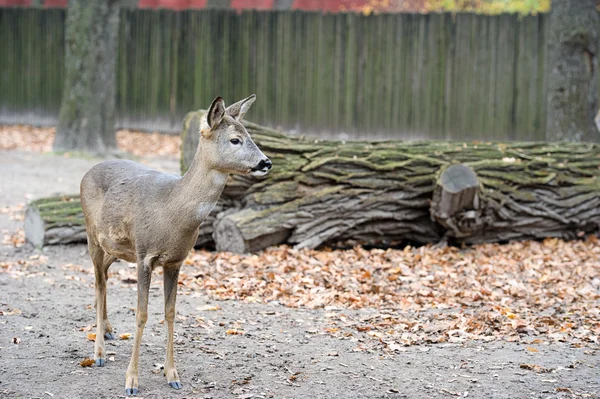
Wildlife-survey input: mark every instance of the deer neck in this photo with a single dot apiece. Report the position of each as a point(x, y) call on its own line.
point(198, 190)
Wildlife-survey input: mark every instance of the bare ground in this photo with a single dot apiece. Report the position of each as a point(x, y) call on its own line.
point(283, 353)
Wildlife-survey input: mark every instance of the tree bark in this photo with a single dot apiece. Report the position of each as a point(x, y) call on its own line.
point(572, 69)
point(383, 193)
point(87, 114)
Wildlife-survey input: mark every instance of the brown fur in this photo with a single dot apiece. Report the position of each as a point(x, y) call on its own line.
point(152, 218)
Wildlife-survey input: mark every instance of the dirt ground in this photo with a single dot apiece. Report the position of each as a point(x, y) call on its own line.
point(48, 304)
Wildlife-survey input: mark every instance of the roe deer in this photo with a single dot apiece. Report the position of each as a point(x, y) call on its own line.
point(152, 218)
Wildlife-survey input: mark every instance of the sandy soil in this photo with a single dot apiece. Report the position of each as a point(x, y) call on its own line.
point(47, 304)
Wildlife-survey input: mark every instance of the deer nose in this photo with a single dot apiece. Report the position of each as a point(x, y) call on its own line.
point(265, 163)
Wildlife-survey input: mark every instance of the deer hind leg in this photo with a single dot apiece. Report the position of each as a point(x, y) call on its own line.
point(102, 262)
point(108, 330)
point(170, 286)
point(144, 270)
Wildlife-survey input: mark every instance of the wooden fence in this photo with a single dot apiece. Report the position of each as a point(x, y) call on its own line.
point(401, 76)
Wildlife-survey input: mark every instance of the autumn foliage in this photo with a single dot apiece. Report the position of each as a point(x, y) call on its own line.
point(535, 292)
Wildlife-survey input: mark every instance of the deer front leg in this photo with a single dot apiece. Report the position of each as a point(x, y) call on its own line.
point(144, 276)
point(170, 286)
point(102, 262)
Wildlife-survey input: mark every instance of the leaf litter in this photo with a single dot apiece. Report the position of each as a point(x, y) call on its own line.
point(40, 139)
point(531, 292)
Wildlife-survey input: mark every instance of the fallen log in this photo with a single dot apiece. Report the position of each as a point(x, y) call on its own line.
point(59, 220)
point(55, 220)
point(381, 193)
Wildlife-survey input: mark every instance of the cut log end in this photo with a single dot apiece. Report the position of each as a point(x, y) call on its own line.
point(34, 227)
point(55, 220)
point(458, 178)
point(228, 237)
point(455, 203)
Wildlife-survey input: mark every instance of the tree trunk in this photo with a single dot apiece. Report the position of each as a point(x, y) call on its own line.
point(573, 38)
point(382, 193)
point(59, 220)
point(87, 114)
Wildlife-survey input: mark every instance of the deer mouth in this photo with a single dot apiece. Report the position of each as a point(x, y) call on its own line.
point(259, 172)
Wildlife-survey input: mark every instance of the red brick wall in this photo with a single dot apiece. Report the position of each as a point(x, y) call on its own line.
point(12, 3)
point(306, 5)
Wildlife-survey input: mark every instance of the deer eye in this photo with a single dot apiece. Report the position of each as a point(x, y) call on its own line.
point(235, 141)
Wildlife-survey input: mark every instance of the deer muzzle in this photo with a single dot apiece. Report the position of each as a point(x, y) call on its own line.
point(262, 168)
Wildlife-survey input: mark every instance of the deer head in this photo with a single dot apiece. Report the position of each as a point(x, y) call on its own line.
point(226, 145)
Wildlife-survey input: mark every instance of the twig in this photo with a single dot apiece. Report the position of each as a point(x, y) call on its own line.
point(287, 383)
point(450, 392)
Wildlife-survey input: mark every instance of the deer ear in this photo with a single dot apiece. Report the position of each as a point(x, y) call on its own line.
point(239, 109)
point(216, 112)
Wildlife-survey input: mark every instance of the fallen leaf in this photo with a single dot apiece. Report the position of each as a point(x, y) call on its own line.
point(562, 389)
point(233, 331)
point(91, 336)
point(87, 362)
point(530, 349)
point(536, 368)
point(124, 336)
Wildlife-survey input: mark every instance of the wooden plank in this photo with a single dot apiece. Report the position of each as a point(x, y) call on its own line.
point(402, 75)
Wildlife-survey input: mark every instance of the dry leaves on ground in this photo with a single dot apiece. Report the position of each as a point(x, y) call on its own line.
point(37, 139)
point(16, 212)
point(29, 138)
point(13, 238)
point(534, 292)
point(148, 144)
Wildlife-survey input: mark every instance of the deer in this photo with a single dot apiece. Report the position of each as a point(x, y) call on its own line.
point(151, 218)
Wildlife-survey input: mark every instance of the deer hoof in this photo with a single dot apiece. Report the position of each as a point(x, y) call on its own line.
point(100, 362)
point(175, 384)
point(110, 336)
point(131, 391)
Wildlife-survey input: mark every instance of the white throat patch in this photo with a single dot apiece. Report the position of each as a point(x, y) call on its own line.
point(203, 210)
